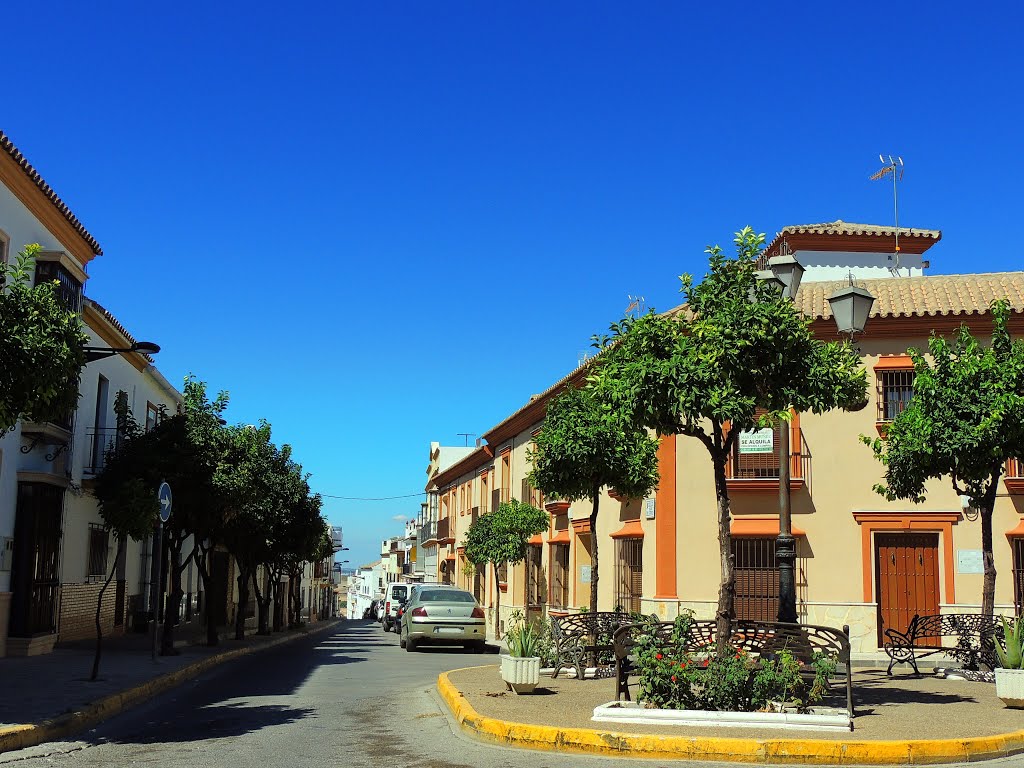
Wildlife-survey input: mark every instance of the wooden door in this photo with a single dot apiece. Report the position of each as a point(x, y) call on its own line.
point(906, 579)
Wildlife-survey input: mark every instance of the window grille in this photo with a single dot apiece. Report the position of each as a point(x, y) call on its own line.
point(68, 291)
point(1018, 574)
point(535, 581)
point(757, 465)
point(99, 539)
point(560, 576)
point(895, 388)
point(629, 574)
point(756, 579)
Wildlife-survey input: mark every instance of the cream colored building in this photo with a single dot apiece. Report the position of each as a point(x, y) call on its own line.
point(861, 559)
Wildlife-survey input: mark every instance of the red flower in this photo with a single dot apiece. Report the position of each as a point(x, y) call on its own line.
point(673, 678)
point(658, 656)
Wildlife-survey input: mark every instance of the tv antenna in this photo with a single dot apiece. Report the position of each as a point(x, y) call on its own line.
point(466, 435)
point(635, 303)
point(894, 168)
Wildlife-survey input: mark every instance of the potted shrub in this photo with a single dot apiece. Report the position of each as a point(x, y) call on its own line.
point(520, 667)
point(1010, 672)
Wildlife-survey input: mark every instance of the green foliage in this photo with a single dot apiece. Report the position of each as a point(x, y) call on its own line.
point(41, 347)
point(500, 536)
point(1011, 651)
point(671, 676)
point(587, 443)
point(964, 421)
point(543, 641)
point(523, 641)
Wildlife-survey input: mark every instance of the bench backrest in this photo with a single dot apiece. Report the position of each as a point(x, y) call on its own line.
point(754, 637)
point(576, 626)
point(953, 624)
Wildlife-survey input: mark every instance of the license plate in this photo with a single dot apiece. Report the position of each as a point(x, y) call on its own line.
point(448, 630)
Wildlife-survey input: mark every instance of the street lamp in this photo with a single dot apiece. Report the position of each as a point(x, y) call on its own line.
point(98, 353)
point(851, 306)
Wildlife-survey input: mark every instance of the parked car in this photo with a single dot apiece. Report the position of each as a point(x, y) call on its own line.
point(442, 614)
point(394, 596)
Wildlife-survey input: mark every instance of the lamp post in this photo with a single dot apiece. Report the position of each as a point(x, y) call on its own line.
point(98, 353)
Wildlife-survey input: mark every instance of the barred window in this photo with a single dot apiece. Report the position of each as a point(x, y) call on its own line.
point(756, 579)
point(536, 588)
point(559, 575)
point(628, 574)
point(895, 388)
point(99, 539)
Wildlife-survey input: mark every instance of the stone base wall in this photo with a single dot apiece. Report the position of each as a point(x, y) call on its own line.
point(78, 611)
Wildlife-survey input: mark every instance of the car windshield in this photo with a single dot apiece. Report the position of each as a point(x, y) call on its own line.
point(446, 596)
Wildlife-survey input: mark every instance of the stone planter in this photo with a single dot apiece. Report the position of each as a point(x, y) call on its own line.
point(1010, 687)
point(631, 712)
point(521, 674)
point(557, 507)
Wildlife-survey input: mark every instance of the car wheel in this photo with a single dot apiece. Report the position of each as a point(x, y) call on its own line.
point(401, 640)
point(410, 644)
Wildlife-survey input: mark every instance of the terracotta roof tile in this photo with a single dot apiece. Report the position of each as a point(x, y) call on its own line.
point(922, 296)
point(7, 146)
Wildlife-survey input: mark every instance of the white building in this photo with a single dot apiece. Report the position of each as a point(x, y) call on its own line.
point(365, 586)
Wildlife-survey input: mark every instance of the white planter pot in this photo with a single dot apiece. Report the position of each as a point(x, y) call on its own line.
point(1010, 687)
point(521, 674)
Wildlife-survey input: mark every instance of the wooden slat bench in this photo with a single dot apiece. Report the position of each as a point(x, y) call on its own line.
point(966, 637)
point(754, 637)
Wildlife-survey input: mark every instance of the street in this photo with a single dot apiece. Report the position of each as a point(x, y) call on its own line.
point(348, 697)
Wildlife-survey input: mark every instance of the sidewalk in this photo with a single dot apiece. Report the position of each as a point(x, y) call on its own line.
point(898, 721)
point(50, 696)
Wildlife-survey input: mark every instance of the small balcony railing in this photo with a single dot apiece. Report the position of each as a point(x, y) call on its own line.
point(442, 529)
point(759, 469)
point(101, 441)
point(428, 532)
point(1014, 476)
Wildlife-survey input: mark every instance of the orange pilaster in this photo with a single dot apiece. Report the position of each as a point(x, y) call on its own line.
point(665, 522)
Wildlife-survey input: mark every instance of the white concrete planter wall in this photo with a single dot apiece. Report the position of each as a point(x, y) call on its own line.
point(1010, 687)
point(521, 674)
point(632, 712)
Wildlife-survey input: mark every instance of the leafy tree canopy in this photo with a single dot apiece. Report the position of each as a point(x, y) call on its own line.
point(502, 535)
point(41, 347)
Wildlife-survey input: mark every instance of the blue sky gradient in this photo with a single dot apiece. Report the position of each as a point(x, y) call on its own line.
point(379, 225)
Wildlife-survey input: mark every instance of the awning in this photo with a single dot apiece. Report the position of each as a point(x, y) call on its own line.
point(759, 526)
point(631, 529)
point(560, 537)
point(1018, 531)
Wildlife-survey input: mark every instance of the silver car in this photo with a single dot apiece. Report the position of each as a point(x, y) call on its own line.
point(442, 615)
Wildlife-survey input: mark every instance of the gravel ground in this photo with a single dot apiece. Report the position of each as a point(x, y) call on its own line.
point(886, 708)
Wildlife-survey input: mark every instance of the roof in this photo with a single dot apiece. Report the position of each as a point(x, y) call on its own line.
point(6, 145)
point(929, 296)
point(115, 323)
point(852, 236)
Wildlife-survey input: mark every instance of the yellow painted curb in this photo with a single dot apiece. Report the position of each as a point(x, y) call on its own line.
point(768, 751)
point(21, 736)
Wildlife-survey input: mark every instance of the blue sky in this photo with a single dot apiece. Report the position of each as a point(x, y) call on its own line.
point(379, 225)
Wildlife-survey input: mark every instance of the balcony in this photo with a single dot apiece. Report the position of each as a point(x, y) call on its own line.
point(101, 441)
point(754, 466)
point(1014, 477)
point(444, 530)
point(428, 532)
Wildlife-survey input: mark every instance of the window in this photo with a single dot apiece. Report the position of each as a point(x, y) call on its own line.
point(1018, 573)
point(756, 578)
point(99, 539)
point(536, 586)
point(69, 290)
point(560, 576)
point(152, 417)
point(755, 454)
point(506, 476)
point(503, 573)
point(484, 493)
point(628, 574)
point(5, 247)
point(895, 388)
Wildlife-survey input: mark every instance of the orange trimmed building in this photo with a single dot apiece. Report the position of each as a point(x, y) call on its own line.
point(862, 561)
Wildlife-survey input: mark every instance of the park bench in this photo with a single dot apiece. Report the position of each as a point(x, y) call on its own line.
point(580, 638)
point(966, 637)
point(757, 638)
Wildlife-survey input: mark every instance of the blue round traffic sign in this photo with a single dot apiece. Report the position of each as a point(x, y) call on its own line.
point(165, 499)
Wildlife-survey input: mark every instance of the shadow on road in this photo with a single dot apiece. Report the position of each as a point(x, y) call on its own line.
point(218, 721)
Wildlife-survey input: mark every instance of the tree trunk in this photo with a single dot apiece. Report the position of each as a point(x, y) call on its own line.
point(173, 608)
point(263, 602)
point(243, 600)
point(596, 496)
point(727, 587)
point(497, 602)
point(99, 609)
point(211, 628)
point(988, 589)
point(279, 608)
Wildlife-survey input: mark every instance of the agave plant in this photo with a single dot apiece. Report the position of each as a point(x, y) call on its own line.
point(523, 641)
point(1011, 651)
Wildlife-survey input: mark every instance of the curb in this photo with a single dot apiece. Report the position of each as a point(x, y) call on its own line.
point(21, 736)
point(735, 750)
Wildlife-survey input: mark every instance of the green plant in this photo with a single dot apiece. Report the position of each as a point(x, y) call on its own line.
point(1012, 655)
point(523, 641)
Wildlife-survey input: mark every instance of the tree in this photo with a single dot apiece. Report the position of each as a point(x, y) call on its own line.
point(127, 497)
point(41, 347)
point(500, 537)
point(588, 442)
point(736, 357)
point(964, 421)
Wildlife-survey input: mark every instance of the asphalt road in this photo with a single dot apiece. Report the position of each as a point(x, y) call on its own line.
point(349, 698)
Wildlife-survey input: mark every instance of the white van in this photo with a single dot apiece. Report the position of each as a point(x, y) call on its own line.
point(394, 595)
